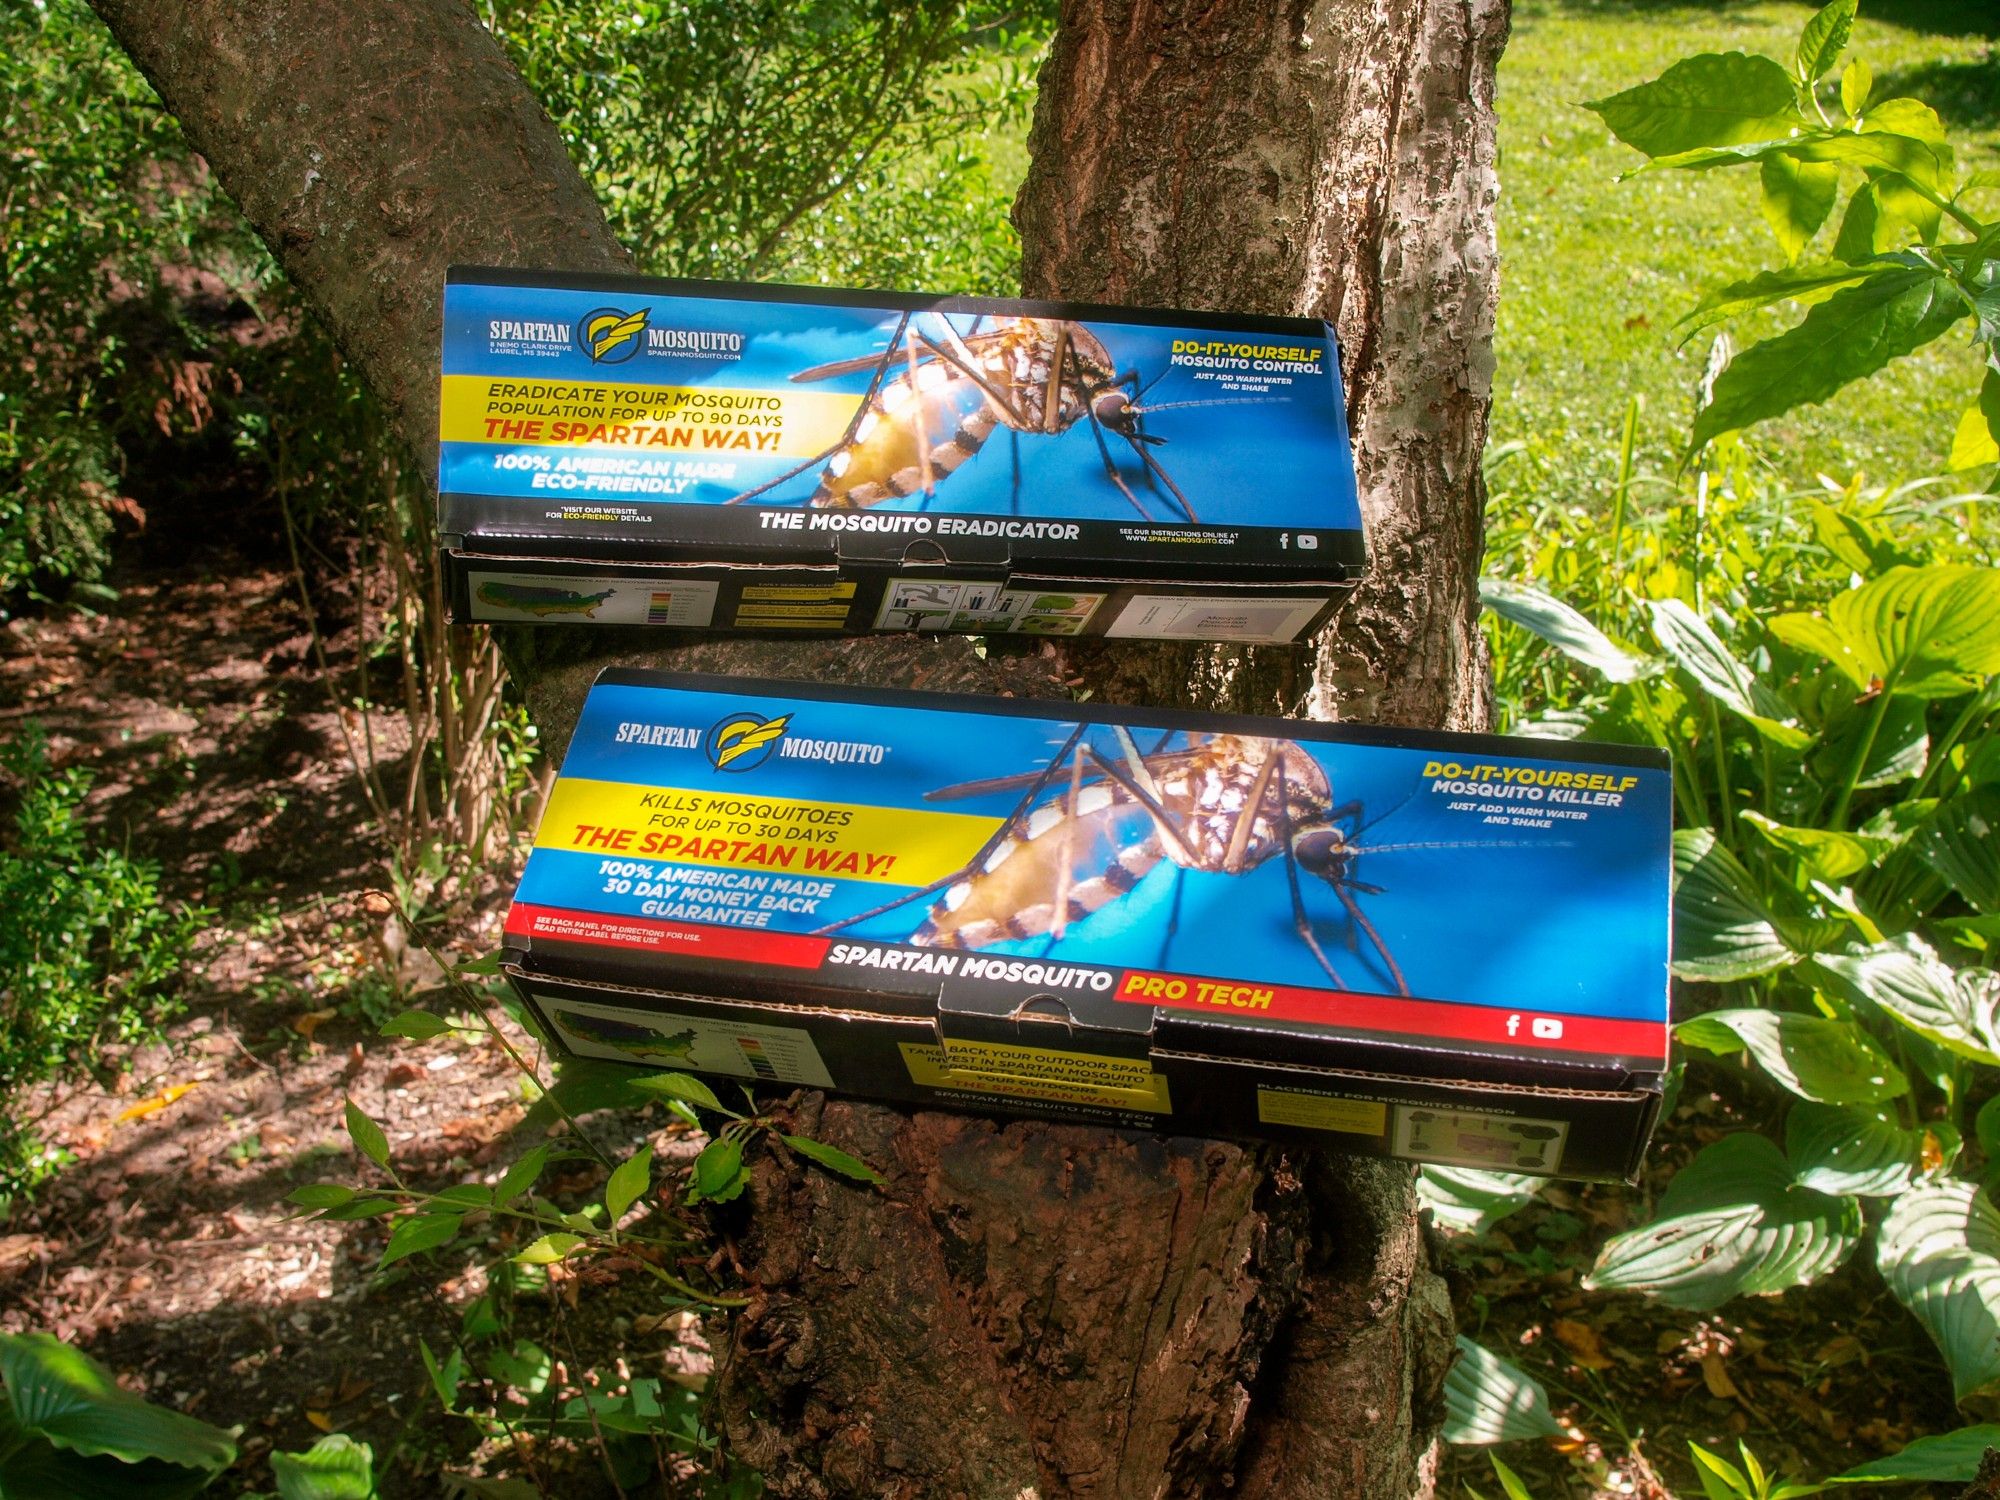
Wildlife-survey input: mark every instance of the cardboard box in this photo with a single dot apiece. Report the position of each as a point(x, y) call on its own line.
point(1445, 948)
point(704, 454)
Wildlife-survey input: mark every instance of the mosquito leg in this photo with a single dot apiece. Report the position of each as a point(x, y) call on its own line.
point(1253, 805)
point(1361, 921)
point(1066, 860)
point(1300, 920)
point(917, 427)
point(1178, 849)
point(1173, 919)
point(969, 368)
point(1052, 397)
point(853, 422)
point(1158, 471)
point(978, 859)
point(1111, 469)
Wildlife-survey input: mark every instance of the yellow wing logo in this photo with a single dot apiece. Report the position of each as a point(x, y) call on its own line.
point(735, 738)
point(605, 334)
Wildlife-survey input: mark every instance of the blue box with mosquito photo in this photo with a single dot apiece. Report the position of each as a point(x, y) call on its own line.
point(701, 454)
point(1445, 948)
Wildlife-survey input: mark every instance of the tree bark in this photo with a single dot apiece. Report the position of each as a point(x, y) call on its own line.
point(1030, 1309)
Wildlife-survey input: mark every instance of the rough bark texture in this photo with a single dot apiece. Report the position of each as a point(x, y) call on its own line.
point(1029, 1309)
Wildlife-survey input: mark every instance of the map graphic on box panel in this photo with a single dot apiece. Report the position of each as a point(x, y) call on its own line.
point(1531, 885)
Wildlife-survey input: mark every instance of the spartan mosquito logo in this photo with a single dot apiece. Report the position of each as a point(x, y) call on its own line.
point(609, 335)
point(743, 741)
point(935, 396)
point(1220, 804)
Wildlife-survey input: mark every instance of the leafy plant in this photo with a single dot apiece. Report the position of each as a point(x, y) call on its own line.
point(69, 1431)
point(1910, 258)
point(89, 954)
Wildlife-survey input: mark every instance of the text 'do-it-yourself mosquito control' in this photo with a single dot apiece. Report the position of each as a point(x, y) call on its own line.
point(697, 454)
point(1445, 948)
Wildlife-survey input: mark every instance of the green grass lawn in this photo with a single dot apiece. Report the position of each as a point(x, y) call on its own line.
point(1594, 272)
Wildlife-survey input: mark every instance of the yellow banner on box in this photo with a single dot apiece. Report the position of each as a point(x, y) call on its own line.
point(1009, 1070)
point(646, 419)
point(743, 831)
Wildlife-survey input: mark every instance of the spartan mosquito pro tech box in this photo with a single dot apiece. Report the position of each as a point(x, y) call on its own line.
point(787, 458)
point(1443, 948)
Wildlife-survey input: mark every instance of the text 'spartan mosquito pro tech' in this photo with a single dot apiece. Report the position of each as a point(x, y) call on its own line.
point(1445, 948)
point(696, 454)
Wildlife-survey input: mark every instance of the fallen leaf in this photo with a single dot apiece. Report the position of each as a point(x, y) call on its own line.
point(1582, 1342)
point(1715, 1375)
point(312, 1020)
point(153, 1104)
point(319, 1419)
point(1842, 1349)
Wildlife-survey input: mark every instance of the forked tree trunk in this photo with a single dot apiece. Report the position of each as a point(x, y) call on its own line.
point(1029, 1309)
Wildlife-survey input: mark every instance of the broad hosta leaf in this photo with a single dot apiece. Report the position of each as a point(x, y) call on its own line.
point(1824, 854)
point(1962, 843)
point(334, 1468)
point(1721, 928)
point(74, 1402)
point(1831, 1062)
point(1855, 332)
point(1804, 284)
point(1732, 1222)
point(1959, 1009)
point(1699, 651)
point(1948, 1458)
point(1902, 747)
point(1797, 197)
point(1824, 39)
point(1470, 1201)
point(33, 1469)
point(1939, 1251)
point(1490, 1400)
point(1562, 627)
point(1852, 1148)
point(1715, 99)
point(1925, 632)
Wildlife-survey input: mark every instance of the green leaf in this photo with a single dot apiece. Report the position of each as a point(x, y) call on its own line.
point(1946, 1458)
point(1959, 1009)
point(1855, 540)
point(1854, 333)
point(718, 1171)
point(1924, 632)
point(521, 1176)
point(1470, 1201)
point(361, 1208)
point(1853, 1149)
point(318, 1195)
point(1977, 442)
point(1797, 197)
point(549, 1249)
point(1510, 1482)
point(466, 1195)
point(1490, 1400)
point(1732, 1222)
point(418, 1025)
point(1831, 1062)
point(1720, 1479)
point(1802, 284)
point(1714, 99)
point(417, 1233)
point(1822, 853)
point(1856, 83)
point(834, 1159)
point(367, 1135)
point(1698, 651)
point(584, 1084)
point(1865, 230)
point(628, 1182)
point(526, 1366)
point(682, 1086)
point(486, 963)
point(34, 1469)
point(1824, 39)
point(1962, 843)
point(445, 1378)
point(68, 1398)
point(1546, 616)
point(1722, 930)
point(1939, 1252)
point(334, 1468)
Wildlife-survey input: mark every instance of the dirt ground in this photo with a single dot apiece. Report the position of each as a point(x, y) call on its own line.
point(167, 1250)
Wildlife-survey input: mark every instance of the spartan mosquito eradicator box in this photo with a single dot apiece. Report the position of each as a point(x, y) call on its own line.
point(787, 458)
point(1443, 948)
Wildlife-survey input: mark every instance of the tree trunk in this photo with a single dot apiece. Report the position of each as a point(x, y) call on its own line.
point(1030, 1309)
